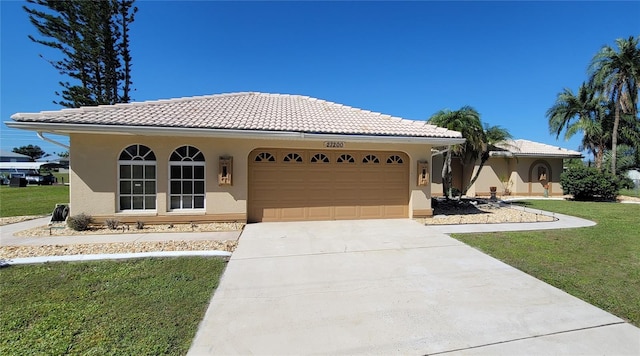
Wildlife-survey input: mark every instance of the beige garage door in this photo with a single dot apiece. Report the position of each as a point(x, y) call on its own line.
point(295, 185)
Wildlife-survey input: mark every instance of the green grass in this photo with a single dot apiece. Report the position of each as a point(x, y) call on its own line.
point(134, 307)
point(599, 264)
point(32, 199)
point(62, 177)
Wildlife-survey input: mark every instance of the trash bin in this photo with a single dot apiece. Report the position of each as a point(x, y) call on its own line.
point(18, 182)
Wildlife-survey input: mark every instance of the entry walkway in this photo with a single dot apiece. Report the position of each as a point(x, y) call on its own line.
point(391, 287)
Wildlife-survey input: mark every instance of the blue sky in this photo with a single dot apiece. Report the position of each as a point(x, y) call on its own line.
point(409, 59)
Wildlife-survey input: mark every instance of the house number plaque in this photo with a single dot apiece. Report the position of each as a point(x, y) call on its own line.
point(334, 144)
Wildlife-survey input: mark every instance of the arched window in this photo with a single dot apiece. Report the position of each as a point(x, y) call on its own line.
point(394, 160)
point(293, 157)
point(137, 178)
point(370, 159)
point(319, 158)
point(186, 178)
point(346, 158)
point(264, 157)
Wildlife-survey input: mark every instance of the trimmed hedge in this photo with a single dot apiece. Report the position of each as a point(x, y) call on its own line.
point(587, 183)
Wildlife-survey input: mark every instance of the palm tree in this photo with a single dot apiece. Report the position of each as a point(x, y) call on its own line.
point(616, 73)
point(585, 112)
point(467, 121)
point(492, 135)
point(479, 142)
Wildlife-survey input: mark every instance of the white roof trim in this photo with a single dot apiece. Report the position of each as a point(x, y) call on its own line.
point(66, 129)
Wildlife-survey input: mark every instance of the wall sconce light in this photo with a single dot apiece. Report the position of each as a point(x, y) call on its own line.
point(225, 170)
point(423, 173)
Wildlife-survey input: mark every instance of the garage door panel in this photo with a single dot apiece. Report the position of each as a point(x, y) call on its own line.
point(371, 212)
point(292, 214)
point(281, 191)
point(320, 212)
point(346, 212)
point(396, 211)
point(320, 195)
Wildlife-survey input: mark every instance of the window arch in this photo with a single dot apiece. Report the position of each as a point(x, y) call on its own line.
point(137, 178)
point(370, 159)
point(186, 178)
point(346, 158)
point(137, 153)
point(264, 157)
point(187, 153)
point(292, 157)
point(319, 158)
point(395, 159)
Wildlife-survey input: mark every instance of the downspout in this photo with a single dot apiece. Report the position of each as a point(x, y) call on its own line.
point(440, 152)
point(51, 141)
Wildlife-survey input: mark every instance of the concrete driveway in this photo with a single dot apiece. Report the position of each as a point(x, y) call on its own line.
point(391, 287)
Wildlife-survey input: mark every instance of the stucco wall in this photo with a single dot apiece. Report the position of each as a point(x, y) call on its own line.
point(522, 180)
point(94, 180)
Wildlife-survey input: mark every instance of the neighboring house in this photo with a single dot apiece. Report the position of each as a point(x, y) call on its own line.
point(244, 156)
point(518, 167)
point(59, 164)
point(8, 156)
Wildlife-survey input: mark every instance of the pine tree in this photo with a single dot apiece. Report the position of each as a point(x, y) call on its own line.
point(93, 38)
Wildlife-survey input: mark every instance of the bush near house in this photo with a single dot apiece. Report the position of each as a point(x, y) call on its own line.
point(587, 183)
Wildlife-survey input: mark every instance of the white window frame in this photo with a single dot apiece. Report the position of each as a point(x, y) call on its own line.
point(186, 161)
point(141, 162)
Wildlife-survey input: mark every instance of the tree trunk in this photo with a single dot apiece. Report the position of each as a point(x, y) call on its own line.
point(614, 137)
point(484, 158)
point(446, 169)
point(599, 156)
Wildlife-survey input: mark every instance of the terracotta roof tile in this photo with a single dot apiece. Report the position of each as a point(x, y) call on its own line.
point(245, 111)
point(530, 148)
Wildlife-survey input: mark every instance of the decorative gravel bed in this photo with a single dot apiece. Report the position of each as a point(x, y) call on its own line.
point(9, 252)
point(479, 212)
point(60, 229)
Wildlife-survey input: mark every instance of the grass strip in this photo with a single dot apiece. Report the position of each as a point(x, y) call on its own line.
point(126, 307)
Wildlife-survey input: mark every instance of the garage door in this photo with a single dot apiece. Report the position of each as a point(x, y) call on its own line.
point(295, 185)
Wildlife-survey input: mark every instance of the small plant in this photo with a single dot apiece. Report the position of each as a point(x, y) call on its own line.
point(79, 222)
point(139, 225)
point(112, 224)
point(506, 182)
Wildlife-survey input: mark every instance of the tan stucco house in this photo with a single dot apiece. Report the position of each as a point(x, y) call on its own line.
point(516, 167)
point(244, 157)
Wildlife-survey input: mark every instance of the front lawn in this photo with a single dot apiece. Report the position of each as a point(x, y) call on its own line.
point(599, 264)
point(32, 199)
point(133, 307)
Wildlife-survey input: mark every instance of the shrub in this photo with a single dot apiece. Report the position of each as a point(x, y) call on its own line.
point(626, 183)
point(79, 222)
point(587, 183)
point(112, 224)
point(139, 225)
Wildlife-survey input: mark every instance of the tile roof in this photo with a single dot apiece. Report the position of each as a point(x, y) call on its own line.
point(530, 148)
point(244, 111)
